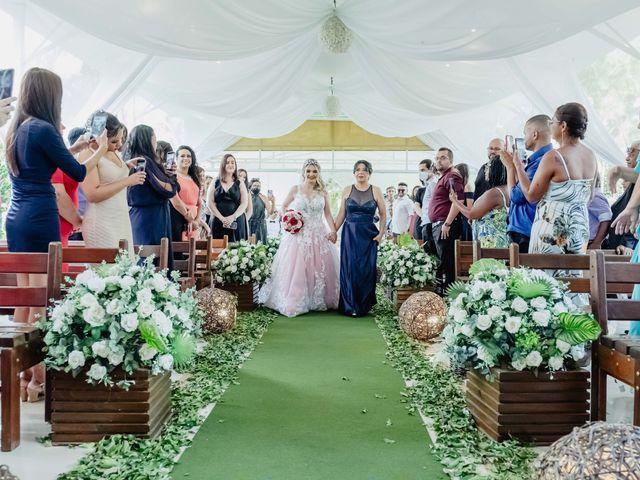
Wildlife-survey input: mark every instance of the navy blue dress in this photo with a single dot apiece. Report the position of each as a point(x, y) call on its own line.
point(32, 219)
point(358, 254)
point(149, 208)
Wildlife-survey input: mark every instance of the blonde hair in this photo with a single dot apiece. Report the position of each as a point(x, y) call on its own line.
point(320, 185)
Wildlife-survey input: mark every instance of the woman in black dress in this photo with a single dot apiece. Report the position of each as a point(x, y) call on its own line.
point(227, 200)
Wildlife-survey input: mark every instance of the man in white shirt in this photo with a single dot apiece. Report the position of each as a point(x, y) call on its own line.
point(402, 210)
point(423, 198)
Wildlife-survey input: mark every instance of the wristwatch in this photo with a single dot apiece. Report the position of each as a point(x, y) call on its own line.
point(446, 224)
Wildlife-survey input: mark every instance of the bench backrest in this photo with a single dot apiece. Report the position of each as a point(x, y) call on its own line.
point(184, 263)
point(464, 259)
point(160, 251)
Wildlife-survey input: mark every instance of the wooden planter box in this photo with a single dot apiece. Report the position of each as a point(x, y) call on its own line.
point(399, 295)
point(535, 410)
point(86, 413)
point(247, 295)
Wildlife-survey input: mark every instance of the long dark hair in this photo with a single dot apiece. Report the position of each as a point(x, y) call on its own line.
point(139, 145)
point(246, 176)
point(193, 168)
point(40, 97)
point(223, 165)
point(162, 149)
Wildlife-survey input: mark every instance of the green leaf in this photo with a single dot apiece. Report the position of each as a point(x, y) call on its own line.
point(575, 328)
point(455, 289)
point(389, 441)
point(486, 265)
point(151, 335)
point(528, 289)
point(183, 348)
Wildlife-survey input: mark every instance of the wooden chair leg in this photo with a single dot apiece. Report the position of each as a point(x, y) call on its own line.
point(47, 397)
point(602, 396)
point(636, 397)
point(595, 384)
point(10, 399)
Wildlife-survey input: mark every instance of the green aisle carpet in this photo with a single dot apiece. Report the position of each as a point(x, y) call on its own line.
point(314, 401)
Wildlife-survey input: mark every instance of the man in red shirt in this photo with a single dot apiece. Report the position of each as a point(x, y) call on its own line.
point(446, 225)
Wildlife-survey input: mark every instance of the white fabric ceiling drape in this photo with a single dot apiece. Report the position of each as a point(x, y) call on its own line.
point(457, 72)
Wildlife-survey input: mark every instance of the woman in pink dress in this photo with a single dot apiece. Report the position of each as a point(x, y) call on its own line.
point(186, 225)
point(305, 268)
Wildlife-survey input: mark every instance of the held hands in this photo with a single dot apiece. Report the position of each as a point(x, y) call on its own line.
point(227, 221)
point(332, 237)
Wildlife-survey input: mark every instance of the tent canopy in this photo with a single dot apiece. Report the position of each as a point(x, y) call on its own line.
point(454, 73)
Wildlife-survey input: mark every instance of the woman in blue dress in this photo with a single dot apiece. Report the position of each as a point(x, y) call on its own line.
point(35, 149)
point(149, 202)
point(359, 242)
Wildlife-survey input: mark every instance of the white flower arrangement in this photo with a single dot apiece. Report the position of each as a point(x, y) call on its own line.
point(406, 266)
point(243, 263)
point(518, 319)
point(273, 243)
point(121, 315)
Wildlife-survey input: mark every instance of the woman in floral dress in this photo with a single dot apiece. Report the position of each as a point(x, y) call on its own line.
point(489, 211)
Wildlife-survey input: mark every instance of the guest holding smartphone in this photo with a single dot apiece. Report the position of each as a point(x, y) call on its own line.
point(227, 200)
point(106, 220)
point(149, 202)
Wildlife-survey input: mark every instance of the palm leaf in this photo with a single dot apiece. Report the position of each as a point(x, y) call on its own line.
point(151, 335)
point(531, 288)
point(575, 328)
point(455, 289)
point(488, 347)
point(486, 265)
point(183, 348)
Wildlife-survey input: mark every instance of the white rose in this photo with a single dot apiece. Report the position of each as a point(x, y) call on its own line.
point(101, 349)
point(483, 322)
point(94, 316)
point(405, 281)
point(498, 294)
point(84, 277)
point(173, 291)
point(97, 372)
point(233, 269)
point(172, 310)
point(494, 312)
point(69, 309)
point(396, 282)
point(542, 317)
point(146, 309)
point(466, 330)
point(147, 352)
point(519, 364)
point(159, 282)
point(129, 322)
point(519, 305)
point(116, 358)
point(127, 282)
point(76, 359)
point(57, 326)
point(563, 346)
point(556, 363)
point(560, 307)
point(144, 295)
point(88, 300)
point(577, 352)
point(534, 359)
point(114, 307)
point(166, 361)
point(246, 279)
point(539, 303)
point(233, 260)
point(162, 322)
point(460, 316)
point(512, 325)
point(96, 284)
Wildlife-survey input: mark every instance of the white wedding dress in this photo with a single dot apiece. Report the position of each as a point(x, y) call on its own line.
point(305, 269)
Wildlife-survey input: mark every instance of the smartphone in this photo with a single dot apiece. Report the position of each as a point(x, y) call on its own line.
point(6, 83)
point(98, 124)
point(451, 184)
point(508, 143)
point(269, 193)
point(171, 160)
point(522, 151)
point(233, 226)
point(142, 165)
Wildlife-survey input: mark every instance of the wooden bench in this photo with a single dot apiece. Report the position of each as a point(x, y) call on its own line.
point(616, 356)
point(479, 252)
point(160, 251)
point(463, 258)
point(185, 262)
point(21, 344)
point(77, 258)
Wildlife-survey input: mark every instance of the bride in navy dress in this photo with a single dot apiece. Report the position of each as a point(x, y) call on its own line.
point(359, 243)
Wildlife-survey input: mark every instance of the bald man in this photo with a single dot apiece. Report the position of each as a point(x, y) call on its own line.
point(482, 180)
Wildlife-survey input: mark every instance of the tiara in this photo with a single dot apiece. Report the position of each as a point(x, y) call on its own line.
point(311, 161)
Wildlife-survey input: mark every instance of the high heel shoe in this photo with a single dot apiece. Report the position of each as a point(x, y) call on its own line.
point(35, 392)
point(23, 390)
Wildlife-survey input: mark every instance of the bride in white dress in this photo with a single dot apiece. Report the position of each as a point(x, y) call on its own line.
point(106, 219)
point(305, 268)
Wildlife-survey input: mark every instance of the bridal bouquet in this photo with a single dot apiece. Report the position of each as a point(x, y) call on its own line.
point(292, 221)
point(242, 263)
point(518, 319)
point(406, 266)
point(121, 315)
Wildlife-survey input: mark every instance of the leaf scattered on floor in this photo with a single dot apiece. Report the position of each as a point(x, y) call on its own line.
point(364, 410)
point(388, 423)
point(378, 396)
point(346, 379)
point(389, 441)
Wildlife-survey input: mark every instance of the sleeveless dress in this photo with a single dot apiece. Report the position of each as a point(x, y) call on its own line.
point(258, 221)
point(358, 254)
point(106, 223)
point(305, 267)
point(491, 229)
point(227, 202)
point(561, 224)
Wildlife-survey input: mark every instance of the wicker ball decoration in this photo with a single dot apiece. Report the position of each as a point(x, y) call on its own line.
point(597, 450)
point(335, 35)
point(219, 308)
point(423, 315)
